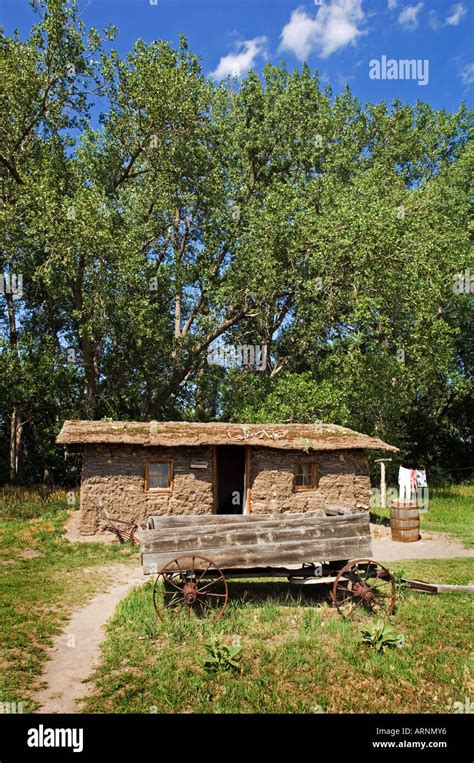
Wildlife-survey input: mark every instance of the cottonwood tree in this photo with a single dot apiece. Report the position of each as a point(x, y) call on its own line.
point(45, 80)
point(193, 213)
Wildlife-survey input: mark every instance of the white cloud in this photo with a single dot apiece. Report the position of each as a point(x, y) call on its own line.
point(242, 59)
point(408, 17)
point(434, 21)
point(457, 12)
point(392, 4)
point(467, 74)
point(298, 36)
point(335, 25)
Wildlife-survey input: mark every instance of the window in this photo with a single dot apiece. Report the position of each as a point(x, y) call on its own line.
point(159, 476)
point(306, 476)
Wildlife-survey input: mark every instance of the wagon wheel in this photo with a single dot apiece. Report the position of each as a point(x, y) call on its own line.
point(201, 586)
point(363, 584)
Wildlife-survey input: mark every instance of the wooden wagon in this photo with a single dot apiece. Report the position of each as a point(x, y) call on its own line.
point(192, 557)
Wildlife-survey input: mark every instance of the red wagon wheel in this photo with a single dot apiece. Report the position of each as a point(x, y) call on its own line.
point(201, 586)
point(364, 584)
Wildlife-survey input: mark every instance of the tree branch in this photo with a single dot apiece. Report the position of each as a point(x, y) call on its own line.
point(11, 168)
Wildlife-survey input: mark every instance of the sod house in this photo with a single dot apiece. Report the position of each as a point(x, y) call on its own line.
point(132, 470)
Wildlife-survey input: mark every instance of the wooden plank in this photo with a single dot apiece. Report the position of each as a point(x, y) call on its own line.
point(243, 538)
point(199, 520)
point(420, 585)
point(246, 557)
point(216, 523)
point(180, 539)
point(333, 510)
point(266, 520)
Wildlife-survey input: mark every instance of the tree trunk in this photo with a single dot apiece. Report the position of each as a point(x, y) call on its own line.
point(89, 347)
point(16, 423)
point(177, 316)
point(48, 477)
point(91, 371)
point(16, 427)
point(177, 261)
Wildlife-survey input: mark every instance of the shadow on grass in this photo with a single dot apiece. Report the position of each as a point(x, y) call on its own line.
point(376, 519)
point(284, 594)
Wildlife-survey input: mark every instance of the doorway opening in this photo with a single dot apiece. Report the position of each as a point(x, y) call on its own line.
point(230, 478)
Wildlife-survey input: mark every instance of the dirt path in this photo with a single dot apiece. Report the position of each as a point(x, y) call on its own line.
point(433, 545)
point(76, 651)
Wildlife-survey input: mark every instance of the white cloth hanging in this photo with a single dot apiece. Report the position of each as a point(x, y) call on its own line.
point(421, 478)
point(405, 483)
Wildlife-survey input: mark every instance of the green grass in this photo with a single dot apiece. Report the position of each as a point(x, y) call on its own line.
point(31, 503)
point(298, 655)
point(451, 510)
point(38, 593)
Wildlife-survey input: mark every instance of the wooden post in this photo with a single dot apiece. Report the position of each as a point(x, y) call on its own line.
point(383, 485)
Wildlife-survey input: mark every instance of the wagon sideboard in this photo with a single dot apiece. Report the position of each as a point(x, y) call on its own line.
point(249, 542)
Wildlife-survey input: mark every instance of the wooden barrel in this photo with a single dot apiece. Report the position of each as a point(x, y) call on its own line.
point(405, 521)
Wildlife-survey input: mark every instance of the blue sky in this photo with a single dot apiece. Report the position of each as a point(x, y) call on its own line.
point(339, 38)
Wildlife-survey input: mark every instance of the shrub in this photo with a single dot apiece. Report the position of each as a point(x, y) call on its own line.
point(219, 657)
point(381, 636)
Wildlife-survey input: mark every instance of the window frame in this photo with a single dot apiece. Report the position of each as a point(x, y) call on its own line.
point(314, 476)
point(153, 490)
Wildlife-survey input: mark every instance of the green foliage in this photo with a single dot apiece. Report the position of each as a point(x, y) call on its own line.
point(381, 636)
point(20, 503)
point(221, 658)
point(195, 212)
point(402, 586)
